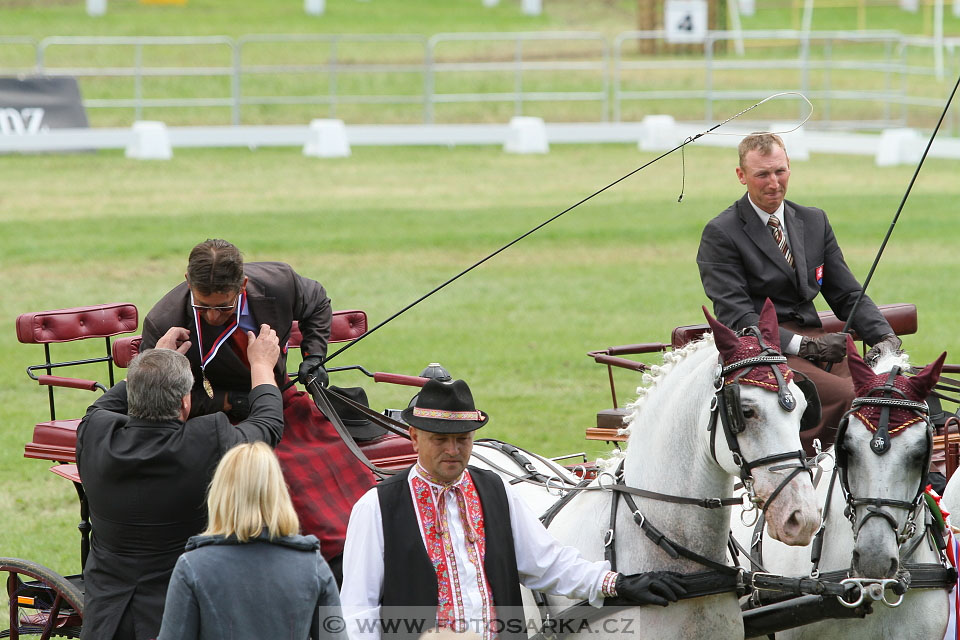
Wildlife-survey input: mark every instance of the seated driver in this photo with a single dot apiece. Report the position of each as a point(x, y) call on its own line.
point(764, 246)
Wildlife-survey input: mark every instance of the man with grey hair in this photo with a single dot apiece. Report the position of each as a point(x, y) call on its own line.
point(764, 246)
point(145, 469)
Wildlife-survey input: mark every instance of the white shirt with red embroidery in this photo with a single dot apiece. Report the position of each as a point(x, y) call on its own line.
point(543, 564)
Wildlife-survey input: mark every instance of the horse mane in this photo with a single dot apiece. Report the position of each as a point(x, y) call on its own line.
point(890, 359)
point(653, 378)
point(650, 383)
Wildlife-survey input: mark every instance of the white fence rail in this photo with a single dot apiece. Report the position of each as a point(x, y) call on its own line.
point(857, 80)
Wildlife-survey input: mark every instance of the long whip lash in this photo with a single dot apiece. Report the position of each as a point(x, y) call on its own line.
point(883, 245)
point(548, 221)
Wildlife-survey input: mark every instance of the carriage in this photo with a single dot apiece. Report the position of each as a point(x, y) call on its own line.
point(47, 604)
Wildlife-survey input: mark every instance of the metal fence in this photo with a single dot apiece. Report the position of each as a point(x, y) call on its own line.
point(855, 79)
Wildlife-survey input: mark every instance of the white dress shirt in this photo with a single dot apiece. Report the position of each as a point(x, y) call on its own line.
point(543, 564)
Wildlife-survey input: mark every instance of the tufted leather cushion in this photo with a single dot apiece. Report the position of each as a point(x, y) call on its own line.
point(64, 325)
point(125, 349)
point(346, 325)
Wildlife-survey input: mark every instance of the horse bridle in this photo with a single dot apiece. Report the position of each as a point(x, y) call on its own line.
point(726, 404)
point(880, 444)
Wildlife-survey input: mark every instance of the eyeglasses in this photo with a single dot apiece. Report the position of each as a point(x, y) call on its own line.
point(202, 308)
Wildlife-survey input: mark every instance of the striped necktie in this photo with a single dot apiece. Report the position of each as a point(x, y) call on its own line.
point(774, 223)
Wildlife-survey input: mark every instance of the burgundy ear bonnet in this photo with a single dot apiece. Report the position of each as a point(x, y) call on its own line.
point(866, 384)
point(735, 348)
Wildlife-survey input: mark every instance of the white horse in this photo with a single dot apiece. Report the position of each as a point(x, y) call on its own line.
point(869, 547)
point(669, 451)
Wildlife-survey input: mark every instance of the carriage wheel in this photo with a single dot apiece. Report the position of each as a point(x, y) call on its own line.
point(42, 602)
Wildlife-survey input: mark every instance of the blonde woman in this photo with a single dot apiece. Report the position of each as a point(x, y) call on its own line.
point(250, 575)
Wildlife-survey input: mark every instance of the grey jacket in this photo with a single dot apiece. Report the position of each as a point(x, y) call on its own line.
point(222, 589)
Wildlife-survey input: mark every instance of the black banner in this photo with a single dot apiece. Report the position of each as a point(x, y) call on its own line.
point(35, 104)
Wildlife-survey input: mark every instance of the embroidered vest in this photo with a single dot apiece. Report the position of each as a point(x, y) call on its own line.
point(409, 578)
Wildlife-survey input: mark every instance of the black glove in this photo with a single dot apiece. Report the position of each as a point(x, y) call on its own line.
point(303, 373)
point(830, 347)
point(239, 404)
point(653, 587)
point(888, 343)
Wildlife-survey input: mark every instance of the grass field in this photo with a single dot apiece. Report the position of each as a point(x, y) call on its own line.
point(382, 227)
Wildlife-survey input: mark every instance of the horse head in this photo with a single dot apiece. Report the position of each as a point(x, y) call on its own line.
point(883, 452)
point(761, 412)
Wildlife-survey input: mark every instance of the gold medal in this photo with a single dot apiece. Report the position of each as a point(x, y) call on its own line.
point(207, 386)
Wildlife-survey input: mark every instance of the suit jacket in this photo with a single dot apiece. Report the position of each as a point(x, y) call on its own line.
point(146, 484)
point(741, 266)
point(276, 295)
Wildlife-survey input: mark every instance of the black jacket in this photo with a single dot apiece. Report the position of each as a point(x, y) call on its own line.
point(741, 265)
point(146, 483)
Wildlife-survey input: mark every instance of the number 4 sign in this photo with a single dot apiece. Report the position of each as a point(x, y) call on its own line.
point(685, 21)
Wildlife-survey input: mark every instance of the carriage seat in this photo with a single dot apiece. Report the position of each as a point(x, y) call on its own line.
point(901, 316)
point(55, 439)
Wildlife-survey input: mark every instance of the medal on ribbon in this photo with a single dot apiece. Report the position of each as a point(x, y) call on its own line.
point(207, 386)
point(208, 355)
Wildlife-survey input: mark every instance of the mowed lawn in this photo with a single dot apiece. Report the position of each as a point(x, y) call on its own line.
point(386, 225)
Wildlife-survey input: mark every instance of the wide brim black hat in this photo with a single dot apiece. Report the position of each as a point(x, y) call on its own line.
point(357, 424)
point(445, 407)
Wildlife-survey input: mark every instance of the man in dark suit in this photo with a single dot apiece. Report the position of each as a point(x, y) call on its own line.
point(764, 246)
point(145, 469)
point(221, 299)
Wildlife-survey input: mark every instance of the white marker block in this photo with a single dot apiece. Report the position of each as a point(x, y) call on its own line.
point(96, 7)
point(532, 7)
point(747, 7)
point(327, 139)
point(899, 146)
point(910, 5)
point(314, 7)
point(956, 8)
point(659, 133)
point(491, 3)
point(150, 141)
point(527, 135)
point(794, 141)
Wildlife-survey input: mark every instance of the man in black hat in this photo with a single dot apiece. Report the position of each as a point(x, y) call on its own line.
point(443, 544)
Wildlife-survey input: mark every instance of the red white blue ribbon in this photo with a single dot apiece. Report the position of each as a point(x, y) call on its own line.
point(206, 357)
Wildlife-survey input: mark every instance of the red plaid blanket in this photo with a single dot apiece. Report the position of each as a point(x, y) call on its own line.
point(325, 479)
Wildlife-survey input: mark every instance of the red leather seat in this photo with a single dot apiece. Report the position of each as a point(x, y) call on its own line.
point(55, 439)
